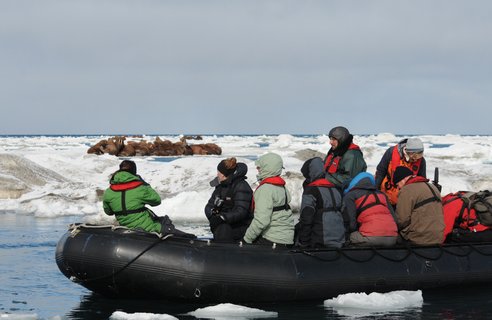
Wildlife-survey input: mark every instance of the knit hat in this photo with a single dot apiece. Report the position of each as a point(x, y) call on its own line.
point(414, 145)
point(128, 166)
point(400, 174)
point(222, 168)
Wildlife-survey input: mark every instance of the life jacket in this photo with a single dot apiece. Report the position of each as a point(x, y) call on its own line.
point(332, 161)
point(374, 216)
point(434, 198)
point(387, 185)
point(459, 214)
point(276, 181)
point(323, 183)
point(123, 187)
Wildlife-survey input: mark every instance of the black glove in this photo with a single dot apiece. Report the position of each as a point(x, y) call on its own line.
point(215, 221)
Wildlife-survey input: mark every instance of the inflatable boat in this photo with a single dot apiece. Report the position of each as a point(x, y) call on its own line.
point(118, 262)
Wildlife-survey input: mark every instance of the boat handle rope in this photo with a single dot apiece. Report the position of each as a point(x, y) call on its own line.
point(441, 252)
point(310, 254)
point(409, 251)
point(112, 274)
point(466, 254)
point(480, 252)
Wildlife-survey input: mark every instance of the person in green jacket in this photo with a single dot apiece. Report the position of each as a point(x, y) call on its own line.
point(344, 160)
point(127, 197)
point(273, 221)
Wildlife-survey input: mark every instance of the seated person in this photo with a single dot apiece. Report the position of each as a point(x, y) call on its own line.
point(228, 209)
point(419, 212)
point(126, 199)
point(369, 212)
point(273, 221)
point(344, 160)
point(320, 222)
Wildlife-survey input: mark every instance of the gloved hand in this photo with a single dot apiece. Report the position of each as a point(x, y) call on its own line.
point(215, 220)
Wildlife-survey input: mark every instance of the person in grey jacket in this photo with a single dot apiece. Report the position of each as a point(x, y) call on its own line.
point(273, 221)
point(320, 223)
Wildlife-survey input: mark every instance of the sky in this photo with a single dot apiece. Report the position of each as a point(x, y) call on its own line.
point(245, 67)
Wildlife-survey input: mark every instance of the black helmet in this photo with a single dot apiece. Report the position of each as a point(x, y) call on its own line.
point(341, 134)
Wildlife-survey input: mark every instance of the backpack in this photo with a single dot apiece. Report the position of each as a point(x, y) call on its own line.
point(479, 202)
point(482, 203)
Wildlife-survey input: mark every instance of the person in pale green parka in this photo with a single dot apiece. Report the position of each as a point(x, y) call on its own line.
point(127, 197)
point(273, 221)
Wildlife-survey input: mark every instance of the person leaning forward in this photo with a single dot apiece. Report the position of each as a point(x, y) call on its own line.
point(407, 153)
point(127, 197)
point(419, 210)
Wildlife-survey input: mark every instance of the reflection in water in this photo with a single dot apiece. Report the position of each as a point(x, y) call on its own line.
point(455, 303)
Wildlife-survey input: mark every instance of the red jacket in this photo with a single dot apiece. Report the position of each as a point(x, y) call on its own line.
point(374, 216)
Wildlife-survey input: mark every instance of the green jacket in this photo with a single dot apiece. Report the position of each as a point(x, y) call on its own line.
point(351, 164)
point(136, 197)
point(275, 226)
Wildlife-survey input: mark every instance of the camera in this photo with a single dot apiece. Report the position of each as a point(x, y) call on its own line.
point(218, 202)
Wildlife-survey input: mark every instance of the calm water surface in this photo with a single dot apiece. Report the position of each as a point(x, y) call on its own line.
point(30, 283)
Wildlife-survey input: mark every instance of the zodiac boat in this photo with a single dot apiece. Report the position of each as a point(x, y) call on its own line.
point(118, 262)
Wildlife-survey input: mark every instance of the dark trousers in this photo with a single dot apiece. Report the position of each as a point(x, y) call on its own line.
point(224, 232)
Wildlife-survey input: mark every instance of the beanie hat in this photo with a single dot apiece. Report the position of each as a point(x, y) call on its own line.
point(128, 166)
point(400, 174)
point(222, 168)
point(414, 145)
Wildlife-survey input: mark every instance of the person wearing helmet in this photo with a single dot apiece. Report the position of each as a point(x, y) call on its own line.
point(344, 160)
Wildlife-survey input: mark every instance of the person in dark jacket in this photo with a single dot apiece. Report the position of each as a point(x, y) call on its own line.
point(127, 197)
point(407, 153)
point(371, 216)
point(419, 209)
point(344, 160)
point(228, 209)
point(320, 222)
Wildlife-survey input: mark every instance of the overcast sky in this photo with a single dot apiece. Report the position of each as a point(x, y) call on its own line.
point(198, 67)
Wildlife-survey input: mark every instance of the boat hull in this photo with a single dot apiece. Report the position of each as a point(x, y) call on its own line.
point(124, 263)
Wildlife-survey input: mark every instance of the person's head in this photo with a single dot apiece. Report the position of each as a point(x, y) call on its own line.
point(366, 176)
point(128, 166)
point(338, 136)
point(269, 165)
point(225, 168)
point(313, 169)
point(413, 149)
point(401, 176)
